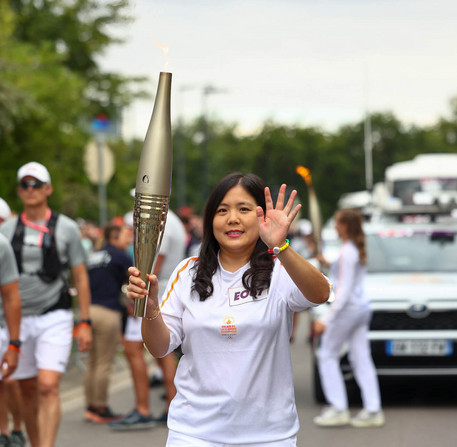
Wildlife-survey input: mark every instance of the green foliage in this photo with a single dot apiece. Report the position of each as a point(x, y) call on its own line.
point(51, 87)
point(336, 161)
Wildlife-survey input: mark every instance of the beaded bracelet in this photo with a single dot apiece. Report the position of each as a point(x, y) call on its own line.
point(277, 250)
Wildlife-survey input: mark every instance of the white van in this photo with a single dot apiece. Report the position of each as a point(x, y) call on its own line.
point(425, 180)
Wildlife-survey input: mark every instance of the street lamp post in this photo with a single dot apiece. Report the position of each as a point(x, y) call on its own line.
point(368, 147)
point(181, 179)
point(206, 91)
point(103, 161)
point(101, 183)
point(368, 139)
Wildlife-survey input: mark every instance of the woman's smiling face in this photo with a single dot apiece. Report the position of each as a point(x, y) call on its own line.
point(235, 224)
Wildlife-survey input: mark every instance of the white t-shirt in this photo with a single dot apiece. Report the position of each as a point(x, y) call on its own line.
point(348, 276)
point(8, 269)
point(234, 382)
point(173, 248)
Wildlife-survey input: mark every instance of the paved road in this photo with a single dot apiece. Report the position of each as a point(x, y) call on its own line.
point(419, 414)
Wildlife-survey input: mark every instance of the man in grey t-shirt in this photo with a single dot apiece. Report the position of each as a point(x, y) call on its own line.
point(46, 306)
point(9, 325)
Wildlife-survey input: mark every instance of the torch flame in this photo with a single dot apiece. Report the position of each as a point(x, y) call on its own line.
point(164, 47)
point(305, 174)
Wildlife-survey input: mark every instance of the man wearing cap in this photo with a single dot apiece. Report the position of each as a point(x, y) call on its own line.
point(46, 245)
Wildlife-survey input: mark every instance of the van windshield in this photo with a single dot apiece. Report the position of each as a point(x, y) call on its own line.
point(405, 189)
point(393, 251)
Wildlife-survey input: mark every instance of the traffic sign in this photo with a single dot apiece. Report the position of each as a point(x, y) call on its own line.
point(93, 153)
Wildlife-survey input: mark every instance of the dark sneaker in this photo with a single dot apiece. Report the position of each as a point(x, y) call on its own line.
point(134, 421)
point(162, 419)
point(155, 382)
point(17, 439)
point(101, 417)
point(4, 441)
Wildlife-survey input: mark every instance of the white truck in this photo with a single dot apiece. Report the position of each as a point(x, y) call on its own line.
point(427, 179)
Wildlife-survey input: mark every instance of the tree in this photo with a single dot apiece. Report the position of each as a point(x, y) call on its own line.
point(51, 87)
point(78, 30)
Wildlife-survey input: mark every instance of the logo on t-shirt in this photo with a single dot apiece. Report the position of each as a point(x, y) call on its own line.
point(239, 295)
point(228, 328)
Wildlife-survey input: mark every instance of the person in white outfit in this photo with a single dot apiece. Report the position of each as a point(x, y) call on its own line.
point(231, 309)
point(347, 322)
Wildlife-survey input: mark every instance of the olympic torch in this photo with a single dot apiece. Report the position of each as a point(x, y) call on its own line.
point(152, 191)
point(314, 209)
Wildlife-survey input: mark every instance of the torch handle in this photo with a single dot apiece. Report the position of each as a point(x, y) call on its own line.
point(149, 218)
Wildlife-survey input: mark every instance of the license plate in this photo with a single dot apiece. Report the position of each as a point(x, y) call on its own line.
point(419, 347)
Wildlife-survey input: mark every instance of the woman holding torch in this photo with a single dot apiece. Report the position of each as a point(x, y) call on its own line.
point(231, 310)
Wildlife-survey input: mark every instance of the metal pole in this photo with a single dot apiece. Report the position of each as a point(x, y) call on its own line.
point(205, 162)
point(101, 181)
point(180, 167)
point(207, 90)
point(368, 138)
point(368, 146)
point(181, 179)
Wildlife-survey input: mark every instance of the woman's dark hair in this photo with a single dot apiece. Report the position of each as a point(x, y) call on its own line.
point(259, 274)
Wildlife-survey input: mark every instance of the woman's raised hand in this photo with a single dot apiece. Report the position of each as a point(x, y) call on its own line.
point(274, 224)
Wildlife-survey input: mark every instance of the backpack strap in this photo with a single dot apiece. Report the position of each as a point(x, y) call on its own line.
point(51, 266)
point(17, 242)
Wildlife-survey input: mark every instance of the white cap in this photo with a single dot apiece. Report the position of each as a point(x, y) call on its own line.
point(5, 211)
point(305, 227)
point(34, 169)
point(128, 219)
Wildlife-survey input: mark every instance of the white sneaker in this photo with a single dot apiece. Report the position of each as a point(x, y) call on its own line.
point(331, 417)
point(366, 418)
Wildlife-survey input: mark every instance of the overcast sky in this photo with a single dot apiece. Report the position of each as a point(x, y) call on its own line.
point(305, 62)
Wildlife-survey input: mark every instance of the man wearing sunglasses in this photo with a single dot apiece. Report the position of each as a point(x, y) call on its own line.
point(47, 246)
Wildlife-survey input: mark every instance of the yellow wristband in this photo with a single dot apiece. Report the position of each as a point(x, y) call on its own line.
point(277, 250)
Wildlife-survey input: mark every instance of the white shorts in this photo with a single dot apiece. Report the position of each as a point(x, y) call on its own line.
point(4, 343)
point(176, 439)
point(46, 343)
point(132, 330)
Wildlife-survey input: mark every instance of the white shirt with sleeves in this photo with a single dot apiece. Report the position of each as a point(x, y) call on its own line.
point(348, 275)
point(234, 382)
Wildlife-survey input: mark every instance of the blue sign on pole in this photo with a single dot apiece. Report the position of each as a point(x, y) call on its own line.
point(100, 123)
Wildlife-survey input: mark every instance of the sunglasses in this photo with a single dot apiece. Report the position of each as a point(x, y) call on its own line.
point(35, 184)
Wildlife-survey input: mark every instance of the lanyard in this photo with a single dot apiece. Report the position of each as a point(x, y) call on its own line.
point(41, 228)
